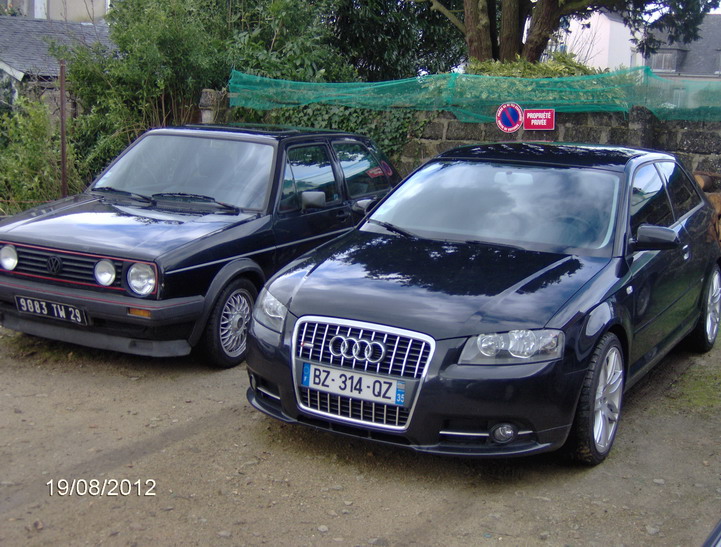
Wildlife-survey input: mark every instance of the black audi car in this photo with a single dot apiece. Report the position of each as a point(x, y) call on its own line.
point(168, 248)
point(498, 302)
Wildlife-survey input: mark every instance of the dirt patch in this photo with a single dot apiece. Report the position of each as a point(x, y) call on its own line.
point(224, 474)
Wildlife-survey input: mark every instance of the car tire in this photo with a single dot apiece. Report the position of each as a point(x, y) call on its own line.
point(226, 334)
point(703, 336)
point(599, 406)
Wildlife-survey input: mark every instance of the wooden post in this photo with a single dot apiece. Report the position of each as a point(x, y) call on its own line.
point(63, 148)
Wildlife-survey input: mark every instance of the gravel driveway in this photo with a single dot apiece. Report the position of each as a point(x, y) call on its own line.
point(168, 452)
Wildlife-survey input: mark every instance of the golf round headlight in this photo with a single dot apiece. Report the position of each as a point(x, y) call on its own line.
point(141, 279)
point(8, 257)
point(105, 273)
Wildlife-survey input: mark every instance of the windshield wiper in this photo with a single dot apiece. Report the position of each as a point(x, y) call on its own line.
point(393, 228)
point(490, 243)
point(198, 198)
point(134, 195)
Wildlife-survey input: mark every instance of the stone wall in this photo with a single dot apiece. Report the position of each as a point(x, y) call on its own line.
point(698, 144)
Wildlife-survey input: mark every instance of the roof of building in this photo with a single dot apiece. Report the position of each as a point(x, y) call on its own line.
point(700, 57)
point(25, 42)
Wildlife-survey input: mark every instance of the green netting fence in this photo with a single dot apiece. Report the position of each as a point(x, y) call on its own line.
point(475, 98)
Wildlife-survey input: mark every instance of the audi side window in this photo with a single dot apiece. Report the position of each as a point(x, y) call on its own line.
point(681, 190)
point(311, 169)
point(363, 174)
point(649, 202)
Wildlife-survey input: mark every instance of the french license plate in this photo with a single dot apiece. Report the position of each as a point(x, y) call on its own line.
point(351, 383)
point(45, 308)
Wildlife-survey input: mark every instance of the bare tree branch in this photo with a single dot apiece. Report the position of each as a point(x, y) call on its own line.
point(568, 8)
point(437, 6)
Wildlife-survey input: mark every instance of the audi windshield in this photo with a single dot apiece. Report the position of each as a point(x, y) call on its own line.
point(558, 209)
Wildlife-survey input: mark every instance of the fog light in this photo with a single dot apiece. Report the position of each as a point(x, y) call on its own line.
point(253, 383)
point(504, 433)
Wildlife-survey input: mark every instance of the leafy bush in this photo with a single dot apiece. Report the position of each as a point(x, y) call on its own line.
point(560, 65)
point(167, 51)
point(391, 130)
point(30, 170)
point(6, 94)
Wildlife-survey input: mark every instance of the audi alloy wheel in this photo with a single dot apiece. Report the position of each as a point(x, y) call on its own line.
point(713, 306)
point(599, 407)
point(703, 337)
point(607, 407)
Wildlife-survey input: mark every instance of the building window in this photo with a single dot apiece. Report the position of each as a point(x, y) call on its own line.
point(663, 62)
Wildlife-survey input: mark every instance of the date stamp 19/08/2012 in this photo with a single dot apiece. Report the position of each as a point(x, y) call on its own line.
point(101, 487)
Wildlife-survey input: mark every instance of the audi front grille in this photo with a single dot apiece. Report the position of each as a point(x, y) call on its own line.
point(405, 356)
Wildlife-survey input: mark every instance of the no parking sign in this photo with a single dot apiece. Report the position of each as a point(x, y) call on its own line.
point(509, 117)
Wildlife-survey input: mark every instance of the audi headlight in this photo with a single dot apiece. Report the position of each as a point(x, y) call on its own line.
point(269, 311)
point(8, 257)
point(141, 278)
point(105, 273)
point(513, 347)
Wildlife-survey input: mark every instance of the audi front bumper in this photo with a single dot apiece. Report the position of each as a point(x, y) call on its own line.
point(454, 409)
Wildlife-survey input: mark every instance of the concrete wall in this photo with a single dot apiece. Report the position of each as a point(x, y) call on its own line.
point(602, 41)
point(60, 10)
point(698, 144)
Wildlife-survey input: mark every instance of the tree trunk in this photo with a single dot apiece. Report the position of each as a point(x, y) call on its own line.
point(478, 29)
point(544, 21)
point(510, 39)
point(493, 27)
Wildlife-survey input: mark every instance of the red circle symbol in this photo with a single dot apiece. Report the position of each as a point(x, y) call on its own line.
point(509, 117)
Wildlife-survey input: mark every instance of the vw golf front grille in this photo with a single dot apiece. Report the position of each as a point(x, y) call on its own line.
point(352, 346)
point(61, 266)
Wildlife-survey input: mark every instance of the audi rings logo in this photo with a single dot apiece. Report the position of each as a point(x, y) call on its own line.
point(354, 348)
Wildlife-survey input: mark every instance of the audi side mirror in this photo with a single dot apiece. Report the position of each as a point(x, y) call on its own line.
point(654, 238)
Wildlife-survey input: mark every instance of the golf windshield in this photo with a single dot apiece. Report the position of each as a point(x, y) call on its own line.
point(229, 171)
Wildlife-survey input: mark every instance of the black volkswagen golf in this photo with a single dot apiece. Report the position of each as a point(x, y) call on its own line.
point(167, 249)
point(499, 302)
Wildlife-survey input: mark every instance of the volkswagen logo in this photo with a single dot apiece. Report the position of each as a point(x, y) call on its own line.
point(54, 265)
point(354, 348)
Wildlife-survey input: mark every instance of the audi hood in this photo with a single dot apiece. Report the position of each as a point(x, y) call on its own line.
point(444, 289)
